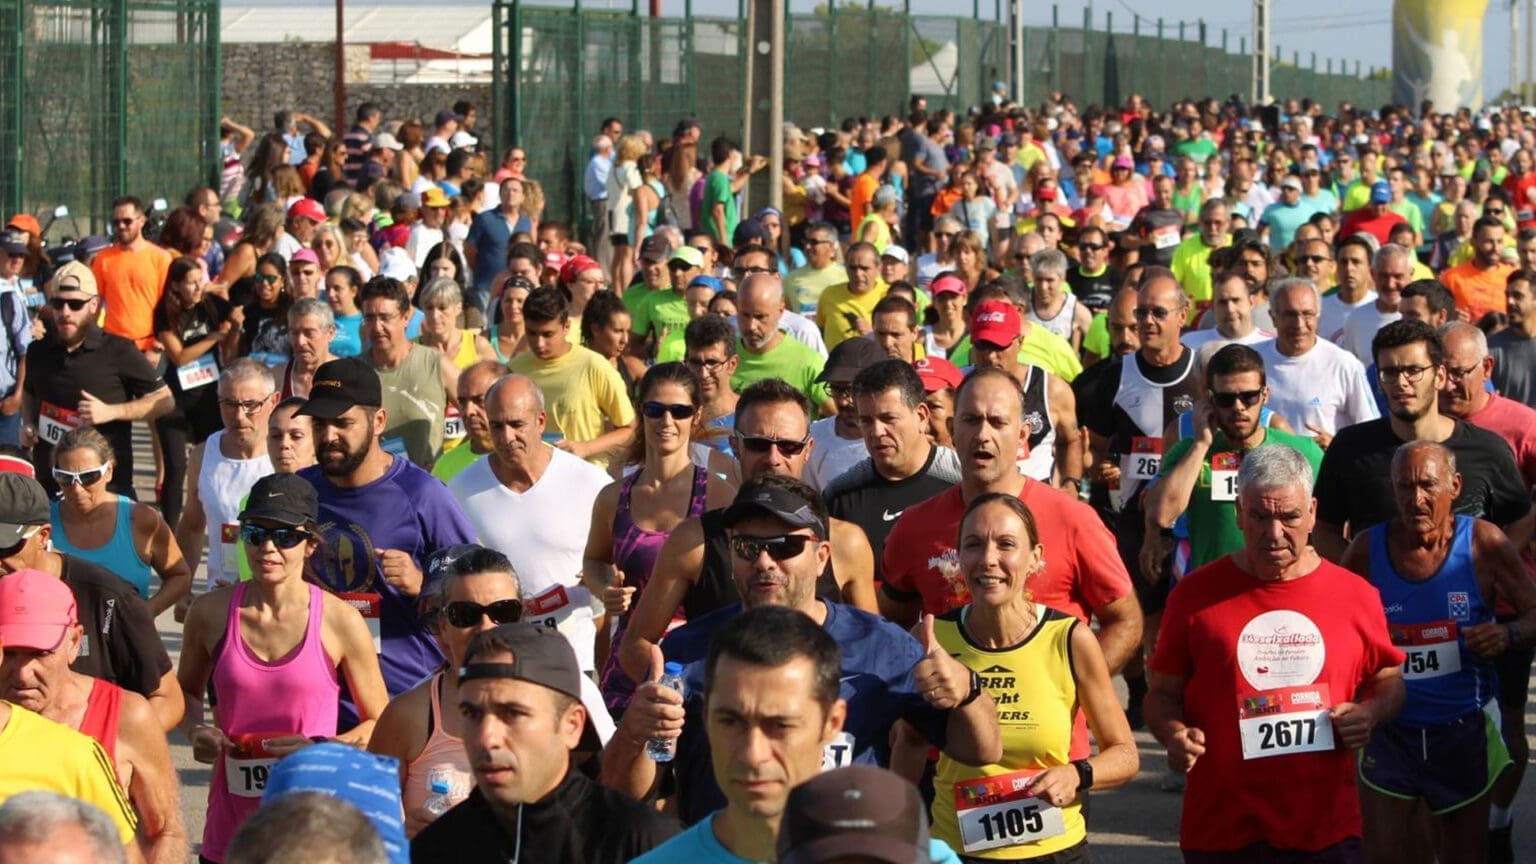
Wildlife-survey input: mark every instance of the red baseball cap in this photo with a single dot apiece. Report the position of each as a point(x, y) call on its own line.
point(997, 322)
point(309, 208)
point(948, 284)
point(36, 610)
point(938, 374)
point(577, 265)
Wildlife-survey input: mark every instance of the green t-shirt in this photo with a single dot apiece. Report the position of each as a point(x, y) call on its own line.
point(662, 312)
point(450, 464)
point(672, 348)
point(717, 190)
point(1040, 348)
point(1198, 149)
point(790, 360)
point(1213, 530)
point(635, 297)
point(1410, 212)
point(1096, 339)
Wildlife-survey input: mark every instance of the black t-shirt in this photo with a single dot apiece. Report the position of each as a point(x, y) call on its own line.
point(108, 367)
point(580, 822)
point(1354, 482)
point(266, 331)
point(861, 496)
point(1159, 230)
point(716, 585)
point(192, 325)
point(121, 643)
point(1096, 292)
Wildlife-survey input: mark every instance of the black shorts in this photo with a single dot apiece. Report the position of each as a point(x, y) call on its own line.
point(618, 239)
point(1349, 851)
point(1514, 670)
point(1448, 766)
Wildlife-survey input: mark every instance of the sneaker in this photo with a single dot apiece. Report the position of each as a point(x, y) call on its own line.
point(1501, 845)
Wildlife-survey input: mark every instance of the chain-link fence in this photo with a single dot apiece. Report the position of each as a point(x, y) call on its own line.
point(102, 98)
point(560, 71)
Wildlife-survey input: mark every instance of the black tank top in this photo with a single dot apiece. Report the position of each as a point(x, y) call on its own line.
point(716, 586)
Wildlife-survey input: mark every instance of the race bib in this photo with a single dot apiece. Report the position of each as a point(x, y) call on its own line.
point(1224, 476)
point(1166, 238)
point(453, 425)
point(994, 812)
point(1285, 721)
point(1143, 460)
point(369, 605)
point(248, 764)
point(838, 753)
point(53, 422)
point(1433, 648)
point(1525, 214)
point(199, 373)
point(229, 548)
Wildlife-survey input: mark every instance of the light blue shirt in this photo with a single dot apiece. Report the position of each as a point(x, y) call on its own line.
point(595, 181)
point(698, 845)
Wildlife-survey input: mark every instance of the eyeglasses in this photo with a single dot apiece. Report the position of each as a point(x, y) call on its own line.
point(1092, 247)
point(786, 446)
point(743, 272)
point(1158, 312)
point(465, 613)
point(1414, 374)
point(1455, 374)
point(78, 478)
point(58, 303)
point(248, 407)
point(680, 267)
point(268, 278)
point(388, 318)
point(780, 548)
point(709, 365)
point(946, 235)
point(1315, 259)
point(282, 538)
point(1492, 211)
point(1249, 398)
point(128, 221)
point(655, 410)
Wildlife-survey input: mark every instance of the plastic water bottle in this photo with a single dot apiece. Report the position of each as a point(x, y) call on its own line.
point(437, 803)
point(663, 749)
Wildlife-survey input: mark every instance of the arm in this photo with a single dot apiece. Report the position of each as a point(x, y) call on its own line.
point(180, 354)
point(147, 407)
point(853, 565)
point(1117, 761)
point(399, 732)
point(611, 440)
point(243, 134)
point(654, 712)
point(1168, 498)
point(1497, 563)
point(323, 130)
point(1082, 322)
point(677, 569)
point(1163, 710)
point(1069, 446)
point(598, 573)
point(152, 786)
point(971, 734)
point(196, 666)
point(1328, 538)
point(1120, 630)
point(157, 545)
point(360, 667)
point(717, 219)
point(1380, 698)
point(192, 528)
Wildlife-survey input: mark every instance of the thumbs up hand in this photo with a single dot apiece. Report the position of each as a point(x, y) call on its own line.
point(616, 597)
point(941, 679)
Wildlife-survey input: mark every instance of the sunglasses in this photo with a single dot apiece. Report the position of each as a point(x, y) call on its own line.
point(269, 278)
point(656, 410)
point(743, 272)
point(709, 365)
point(1158, 312)
point(679, 266)
point(78, 478)
point(1249, 398)
point(763, 445)
point(282, 538)
point(1093, 247)
point(59, 303)
point(780, 548)
point(1315, 259)
point(466, 613)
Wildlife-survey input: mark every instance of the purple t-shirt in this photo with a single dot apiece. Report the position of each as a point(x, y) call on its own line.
point(406, 509)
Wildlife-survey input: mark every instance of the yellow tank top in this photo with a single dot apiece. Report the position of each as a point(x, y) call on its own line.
point(976, 809)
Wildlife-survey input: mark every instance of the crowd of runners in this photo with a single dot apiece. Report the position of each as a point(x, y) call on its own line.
point(692, 530)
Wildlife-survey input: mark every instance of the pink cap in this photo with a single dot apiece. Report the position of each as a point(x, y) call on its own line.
point(947, 284)
point(1123, 161)
point(997, 322)
point(36, 610)
point(304, 256)
point(309, 208)
point(938, 374)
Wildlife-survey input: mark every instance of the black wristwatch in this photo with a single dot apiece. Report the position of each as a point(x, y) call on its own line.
point(1084, 774)
point(975, 690)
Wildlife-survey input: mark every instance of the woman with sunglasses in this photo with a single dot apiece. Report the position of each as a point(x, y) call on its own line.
point(633, 517)
point(466, 590)
point(264, 320)
point(112, 530)
point(504, 338)
point(276, 650)
point(1031, 803)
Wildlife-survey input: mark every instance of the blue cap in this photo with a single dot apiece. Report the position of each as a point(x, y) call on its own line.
point(1381, 192)
point(709, 282)
point(367, 781)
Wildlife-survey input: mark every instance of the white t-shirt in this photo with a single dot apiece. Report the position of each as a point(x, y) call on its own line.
point(420, 241)
point(222, 485)
point(1360, 328)
point(285, 245)
point(929, 267)
point(543, 532)
point(833, 455)
point(1194, 340)
point(1325, 387)
point(803, 329)
point(1335, 312)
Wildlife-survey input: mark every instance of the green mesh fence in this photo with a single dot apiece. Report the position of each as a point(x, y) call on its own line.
point(102, 98)
point(561, 70)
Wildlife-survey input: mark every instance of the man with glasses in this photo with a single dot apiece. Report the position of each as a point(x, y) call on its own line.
point(1314, 384)
point(416, 379)
point(1391, 270)
point(1314, 197)
point(1479, 283)
point(1354, 485)
point(1314, 260)
point(709, 346)
point(753, 260)
point(660, 313)
point(131, 274)
point(1093, 280)
point(473, 384)
point(839, 443)
point(82, 375)
point(533, 503)
point(945, 229)
point(804, 286)
point(1192, 257)
point(1356, 283)
point(777, 529)
point(16, 332)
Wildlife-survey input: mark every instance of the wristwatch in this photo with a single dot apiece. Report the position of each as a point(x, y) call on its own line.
point(975, 690)
point(1084, 774)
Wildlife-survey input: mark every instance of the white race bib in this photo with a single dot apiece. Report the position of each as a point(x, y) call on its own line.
point(1144, 459)
point(1224, 476)
point(1433, 648)
point(53, 422)
point(453, 426)
point(369, 605)
point(199, 373)
point(1286, 721)
point(247, 767)
point(1166, 238)
point(995, 812)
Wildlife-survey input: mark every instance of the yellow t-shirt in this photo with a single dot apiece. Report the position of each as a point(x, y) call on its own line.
point(37, 753)
point(1040, 347)
point(583, 394)
point(1192, 267)
point(837, 303)
point(803, 287)
point(1036, 699)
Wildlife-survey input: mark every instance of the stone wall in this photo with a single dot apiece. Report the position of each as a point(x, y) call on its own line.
point(262, 78)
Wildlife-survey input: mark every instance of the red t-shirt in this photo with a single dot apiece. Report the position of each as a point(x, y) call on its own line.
point(1233, 637)
point(1516, 423)
point(1519, 188)
point(1379, 227)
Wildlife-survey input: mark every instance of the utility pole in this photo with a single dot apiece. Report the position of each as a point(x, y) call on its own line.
point(1260, 95)
point(339, 96)
point(763, 118)
point(1016, 12)
point(1526, 83)
point(1516, 89)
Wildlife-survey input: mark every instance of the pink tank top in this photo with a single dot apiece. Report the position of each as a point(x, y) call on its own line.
point(442, 760)
point(297, 695)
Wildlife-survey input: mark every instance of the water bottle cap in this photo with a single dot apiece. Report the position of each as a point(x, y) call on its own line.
point(440, 787)
point(674, 668)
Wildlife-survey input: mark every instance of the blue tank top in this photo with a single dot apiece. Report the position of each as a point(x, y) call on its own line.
point(117, 554)
point(1445, 680)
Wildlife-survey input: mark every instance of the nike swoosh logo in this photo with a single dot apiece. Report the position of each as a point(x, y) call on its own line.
point(891, 517)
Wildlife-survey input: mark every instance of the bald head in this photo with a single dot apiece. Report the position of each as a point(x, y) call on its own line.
point(511, 390)
point(1467, 342)
point(1425, 484)
point(759, 307)
point(1121, 322)
point(1161, 308)
point(514, 408)
point(478, 378)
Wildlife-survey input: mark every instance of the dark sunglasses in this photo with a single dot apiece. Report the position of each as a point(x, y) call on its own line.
point(743, 272)
point(1093, 247)
point(268, 278)
point(780, 548)
point(282, 538)
point(679, 266)
point(65, 479)
point(1158, 312)
point(58, 303)
point(466, 613)
point(1250, 398)
point(656, 410)
point(1315, 259)
point(763, 445)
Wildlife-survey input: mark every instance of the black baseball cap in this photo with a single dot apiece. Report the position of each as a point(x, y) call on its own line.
point(23, 505)
point(341, 384)
point(286, 499)
point(860, 811)
point(540, 655)
point(756, 498)
point(849, 358)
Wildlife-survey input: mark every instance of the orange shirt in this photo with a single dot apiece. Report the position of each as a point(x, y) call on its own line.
point(130, 284)
point(1478, 291)
point(864, 187)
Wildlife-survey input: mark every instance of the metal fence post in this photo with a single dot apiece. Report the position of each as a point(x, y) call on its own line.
point(498, 89)
point(12, 131)
point(1055, 83)
point(693, 87)
point(118, 46)
point(214, 81)
point(869, 66)
point(515, 116)
point(906, 51)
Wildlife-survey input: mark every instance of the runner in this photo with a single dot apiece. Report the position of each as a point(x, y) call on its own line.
point(473, 385)
point(1318, 387)
point(416, 380)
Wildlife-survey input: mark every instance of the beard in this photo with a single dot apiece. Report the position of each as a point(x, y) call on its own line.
point(347, 461)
